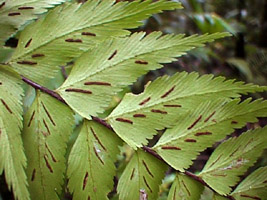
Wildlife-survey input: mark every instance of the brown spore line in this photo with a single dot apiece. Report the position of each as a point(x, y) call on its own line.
point(141, 62)
point(139, 115)
point(78, 90)
point(190, 140)
point(145, 181)
point(6, 106)
point(210, 116)
point(203, 133)
point(124, 120)
point(97, 83)
point(98, 157)
point(51, 154)
point(13, 14)
point(74, 40)
point(168, 92)
point(88, 34)
point(113, 54)
point(48, 114)
point(85, 180)
point(26, 8)
point(2, 5)
point(97, 139)
point(195, 122)
point(145, 101)
point(132, 175)
point(32, 116)
point(37, 55)
point(48, 164)
point(33, 174)
point(159, 111)
point(27, 62)
point(147, 169)
point(171, 148)
point(172, 106)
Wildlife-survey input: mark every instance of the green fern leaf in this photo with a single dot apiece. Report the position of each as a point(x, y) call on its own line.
point(47, 126)
point(203, 126)
point(185, 188)
point(253, 187)
point(218, 197)
point(137, 116)
point(91, 162)
point(75, 28)
point(232, 159)
point(142, 177)
point(95, 75)
point(5, 54)
point(15, 13)
point(12, 157)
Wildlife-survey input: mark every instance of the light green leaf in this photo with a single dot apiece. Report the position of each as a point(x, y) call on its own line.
point(98, 74)
point(12, 157)
point(91, 162)
point(253, 187)
point(185, 188)
point(164, 100)
point(203, 126)
point(218, 197)
point(5, 54)
point(232, 159)
point(15, 13)
point(47, 127)
point(77, 28)
point(142, 176)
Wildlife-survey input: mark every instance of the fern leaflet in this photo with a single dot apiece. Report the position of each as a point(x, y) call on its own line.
point(12, 157)
point(47, 126)
point(142, 176)
point(253, 187)
point(232, 158)
point(203, 126)
point(185, 187)
point(91, 162)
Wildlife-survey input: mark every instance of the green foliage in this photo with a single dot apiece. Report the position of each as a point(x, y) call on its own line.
point(142, 176)
point(253, 187)
point(12, 157)
point(16, 13)
point(185, 187)
point(47, 127)
point(93, 156)
point(243, 151)
point(53, 141)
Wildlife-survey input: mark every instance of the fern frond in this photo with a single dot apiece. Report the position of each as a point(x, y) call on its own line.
point(47, 126)
point(12, 157)
point(253, 187)
point(137, 116)
point(142, 176)
point(75, 28)
point(15, 13)
point(91, 162)
point(185, 187)
point(94, 78)
point(203, 126)
point(232, 159)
